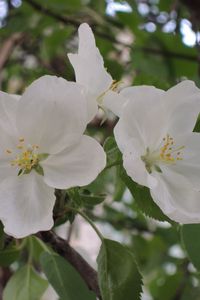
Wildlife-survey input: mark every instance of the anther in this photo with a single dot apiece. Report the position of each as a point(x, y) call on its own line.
point(8, 151)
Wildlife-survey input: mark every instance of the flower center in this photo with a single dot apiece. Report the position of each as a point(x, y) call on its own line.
point(26, 158)
point(166, 154)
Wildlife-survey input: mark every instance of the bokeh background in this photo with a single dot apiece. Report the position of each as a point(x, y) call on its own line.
point(147, 42)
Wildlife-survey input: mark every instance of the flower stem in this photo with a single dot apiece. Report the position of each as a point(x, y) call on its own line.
point(81, 213)
point(116, 163)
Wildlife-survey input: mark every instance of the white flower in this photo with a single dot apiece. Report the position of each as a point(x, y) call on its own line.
point(89, 70)
point(42, 147)
point(160, 150)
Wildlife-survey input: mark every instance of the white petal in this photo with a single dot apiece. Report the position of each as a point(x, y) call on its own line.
point(6, 170)
point(77, 166)
point(114, 102)
point(142, 118)
point(88, 64)
point(52, 113)
point(182, 106)
point(189, 166)
point(135, 168)
point(26, 205)
point(176, 197)
point(8, 108)
point(92, 106)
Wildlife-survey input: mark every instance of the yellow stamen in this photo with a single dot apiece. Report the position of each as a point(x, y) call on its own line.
point(169, 154)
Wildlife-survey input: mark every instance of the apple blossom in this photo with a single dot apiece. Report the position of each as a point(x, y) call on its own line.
point(160, 150)
point(89, 70)
point(42, 147)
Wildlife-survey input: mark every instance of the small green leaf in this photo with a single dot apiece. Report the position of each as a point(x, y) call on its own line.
point(118, 274)
point(25, 284)
point(144, 201)
point(190, 236)
point(39, 170)
point(91, 200)
point(64, 278)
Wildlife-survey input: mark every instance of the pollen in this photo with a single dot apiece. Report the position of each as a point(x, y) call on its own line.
point(168, 153)
point(24, 157)
point(26, 160)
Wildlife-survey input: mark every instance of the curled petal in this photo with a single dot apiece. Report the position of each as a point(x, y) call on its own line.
point(89, 67)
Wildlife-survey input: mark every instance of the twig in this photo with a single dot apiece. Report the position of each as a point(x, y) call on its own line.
point(61, 246)
point(8, 46)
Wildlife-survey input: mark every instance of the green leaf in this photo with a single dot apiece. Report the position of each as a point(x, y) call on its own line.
point(144, 201)
point(25, 284)
point(90, 200)
point(190, 236)
point(118, 274)
point(8, 256)
point(64, 278)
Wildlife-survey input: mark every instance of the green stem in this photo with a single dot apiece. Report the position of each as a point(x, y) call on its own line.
point(89, 221)
point(116, 163)
point(30, 255)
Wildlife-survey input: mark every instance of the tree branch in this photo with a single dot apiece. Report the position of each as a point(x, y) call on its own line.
point(46, 11)
point(61, 246)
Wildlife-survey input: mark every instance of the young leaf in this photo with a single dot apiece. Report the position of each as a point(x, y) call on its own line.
point(118, 274)
point(190, 234)
point(90, 200)
point(25, 284)
point(64, 278)
point(144, 201)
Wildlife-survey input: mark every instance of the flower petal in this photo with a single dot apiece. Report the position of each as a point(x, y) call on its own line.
point(189, 165)
point(114, 102)
point(142, 118)
point(182, 106)
point(88, 64)
point(135, 167)
point(77, 166)
point(26, 205)
point(8, 108)
point(52, 113)
point(176, 197)
point(92, 106)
